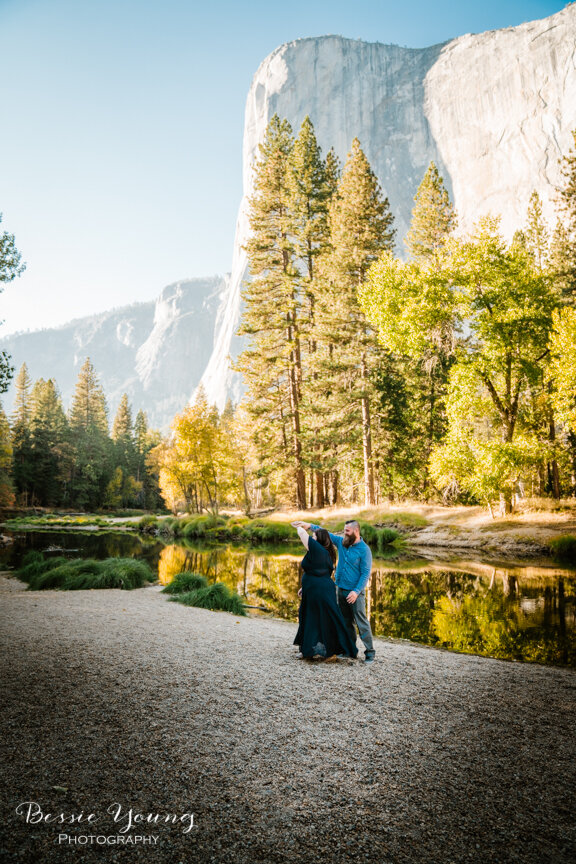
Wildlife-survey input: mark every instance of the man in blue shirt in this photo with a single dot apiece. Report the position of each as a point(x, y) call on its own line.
point(352, 574)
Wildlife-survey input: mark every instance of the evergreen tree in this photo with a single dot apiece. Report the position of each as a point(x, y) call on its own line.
point(146, 472)
point(360, 229)
point(21, 437)
point(125, 488)
point(433, 219)
point(51, 457)
point(123, 436)
point(89, 435)
point(6, 485)
point(312, 183)
point(272, 364)
point(536, 232)
point(565, 247)
point(418, 291)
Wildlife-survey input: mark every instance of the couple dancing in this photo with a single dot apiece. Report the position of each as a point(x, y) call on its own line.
point(327, 614)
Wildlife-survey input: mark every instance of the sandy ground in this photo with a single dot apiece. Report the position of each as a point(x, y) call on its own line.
point(123, 698)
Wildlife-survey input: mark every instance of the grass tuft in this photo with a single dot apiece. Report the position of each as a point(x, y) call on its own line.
point(216, 597)
point(184, 583)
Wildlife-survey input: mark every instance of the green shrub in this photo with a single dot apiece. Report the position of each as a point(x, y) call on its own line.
point(564, 548)
point(378, 538)
point(84, 573)
point(166, 526)
point(217, 596)
point(268, 532)
point(147, 522)
point(185, 582)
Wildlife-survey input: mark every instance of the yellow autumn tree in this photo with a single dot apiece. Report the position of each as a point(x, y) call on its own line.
point(196, 464)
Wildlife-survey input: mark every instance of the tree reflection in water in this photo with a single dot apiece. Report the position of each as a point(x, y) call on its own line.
point(509, 612)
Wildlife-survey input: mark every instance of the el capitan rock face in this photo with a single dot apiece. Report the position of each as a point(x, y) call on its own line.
point(493, 110)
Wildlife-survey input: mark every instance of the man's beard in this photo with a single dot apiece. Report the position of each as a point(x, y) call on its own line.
point(348, 540)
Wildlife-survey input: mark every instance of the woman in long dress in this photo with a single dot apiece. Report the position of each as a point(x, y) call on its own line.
point(322, 631)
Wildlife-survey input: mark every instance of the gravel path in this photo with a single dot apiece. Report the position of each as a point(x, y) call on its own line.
point(425, 757)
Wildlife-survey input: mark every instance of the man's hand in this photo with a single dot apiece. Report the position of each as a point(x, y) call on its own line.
point(300, 592)
point(352, 597)
point(300, 524)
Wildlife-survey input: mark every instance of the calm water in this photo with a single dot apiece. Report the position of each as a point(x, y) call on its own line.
point(507, 611)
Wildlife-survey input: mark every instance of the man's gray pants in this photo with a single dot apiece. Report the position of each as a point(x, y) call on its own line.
point(355, 613)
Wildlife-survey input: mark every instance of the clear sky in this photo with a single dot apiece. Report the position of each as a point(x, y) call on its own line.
point(121, 141)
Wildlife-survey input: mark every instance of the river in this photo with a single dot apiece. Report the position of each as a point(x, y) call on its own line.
point(504, 609)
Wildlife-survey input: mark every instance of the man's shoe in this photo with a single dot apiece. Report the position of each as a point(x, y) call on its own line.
point(369, 660)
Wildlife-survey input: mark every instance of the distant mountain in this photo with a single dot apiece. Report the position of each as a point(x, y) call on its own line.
point(156, 352)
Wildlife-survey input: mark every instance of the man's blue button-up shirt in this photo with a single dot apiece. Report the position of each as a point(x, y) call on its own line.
point(354, 563)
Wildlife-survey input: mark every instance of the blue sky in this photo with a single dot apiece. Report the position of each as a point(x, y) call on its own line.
point(121, 146)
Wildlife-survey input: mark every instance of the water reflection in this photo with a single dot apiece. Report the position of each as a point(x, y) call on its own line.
point(509, 611)
point(512, 613)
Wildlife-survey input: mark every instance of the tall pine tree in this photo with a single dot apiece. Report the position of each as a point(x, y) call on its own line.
point(88, 419)
point(21, 437)
point(272, 364)
point(360, 224)
point(51, 456)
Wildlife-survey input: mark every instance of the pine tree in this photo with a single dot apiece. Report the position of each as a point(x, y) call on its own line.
point(89, 435)
point(6, 485)
point(146, 473)
point(432, 223)
point(272, 364)
point(565, 246)
point(123, 436)
point(536, 233)
point(312, 183)
point(360, 229)
point(88, 410)
point(51, 458)
point(21, 413)
point(21, 437)
point(433, 219)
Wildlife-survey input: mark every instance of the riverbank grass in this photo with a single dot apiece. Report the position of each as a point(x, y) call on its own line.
point(192, 589)
point(64, 574)
point(564, 549)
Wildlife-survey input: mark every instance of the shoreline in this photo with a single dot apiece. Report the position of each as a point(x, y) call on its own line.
point(426, 757)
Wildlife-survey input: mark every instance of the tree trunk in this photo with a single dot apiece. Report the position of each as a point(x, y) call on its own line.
point(320, 489)
point(296, 445)
point(367, 443)
point(554, 473)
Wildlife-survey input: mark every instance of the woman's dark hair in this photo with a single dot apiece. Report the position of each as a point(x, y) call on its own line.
point(323, 537)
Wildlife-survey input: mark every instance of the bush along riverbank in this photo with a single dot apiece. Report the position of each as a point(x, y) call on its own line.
point(254, 532)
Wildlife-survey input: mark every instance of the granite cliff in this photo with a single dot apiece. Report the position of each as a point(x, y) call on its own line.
point(494, 111)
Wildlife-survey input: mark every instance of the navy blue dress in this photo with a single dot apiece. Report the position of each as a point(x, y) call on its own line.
point(322, 630)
